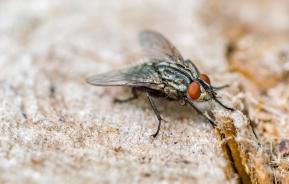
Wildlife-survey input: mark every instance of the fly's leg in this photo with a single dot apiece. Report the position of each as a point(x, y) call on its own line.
point(134, 96)
point(220, 87)
point(220, 103)
point(200, 113)
point(156, 113)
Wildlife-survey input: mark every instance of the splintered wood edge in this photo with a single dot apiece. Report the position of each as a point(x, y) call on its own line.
point(242, 149)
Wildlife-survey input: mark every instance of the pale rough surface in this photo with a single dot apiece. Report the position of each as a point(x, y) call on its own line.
point(56, 128)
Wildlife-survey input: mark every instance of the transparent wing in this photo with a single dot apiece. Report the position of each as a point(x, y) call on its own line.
point(156, 46)
point(142, 76)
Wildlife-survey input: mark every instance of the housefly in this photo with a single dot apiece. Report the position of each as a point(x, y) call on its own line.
point(167, 74)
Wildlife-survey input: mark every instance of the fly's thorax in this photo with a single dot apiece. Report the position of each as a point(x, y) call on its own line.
point(174, 76)
point(189, 65)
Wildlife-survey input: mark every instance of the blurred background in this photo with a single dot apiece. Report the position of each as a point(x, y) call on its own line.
point(54, 125)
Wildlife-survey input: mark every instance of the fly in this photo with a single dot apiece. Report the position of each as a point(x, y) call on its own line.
point(167, 74)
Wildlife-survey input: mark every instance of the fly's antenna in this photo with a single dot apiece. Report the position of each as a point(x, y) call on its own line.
point(206, 87)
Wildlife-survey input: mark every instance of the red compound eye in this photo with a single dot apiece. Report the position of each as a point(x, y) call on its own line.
point(194, 90)
point(205, 78)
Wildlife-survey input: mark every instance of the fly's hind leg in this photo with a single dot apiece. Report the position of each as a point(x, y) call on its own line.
point(156, 113)
point(134, 96)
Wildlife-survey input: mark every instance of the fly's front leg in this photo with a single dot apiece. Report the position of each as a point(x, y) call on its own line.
point(202, 114)
point(220, 103)
point(156, 113)
point(134, 96)
point(220, 87)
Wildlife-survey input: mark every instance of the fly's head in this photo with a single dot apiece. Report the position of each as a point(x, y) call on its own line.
point(200, 89)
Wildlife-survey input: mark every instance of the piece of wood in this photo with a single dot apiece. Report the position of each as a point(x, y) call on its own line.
point(55, 128)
